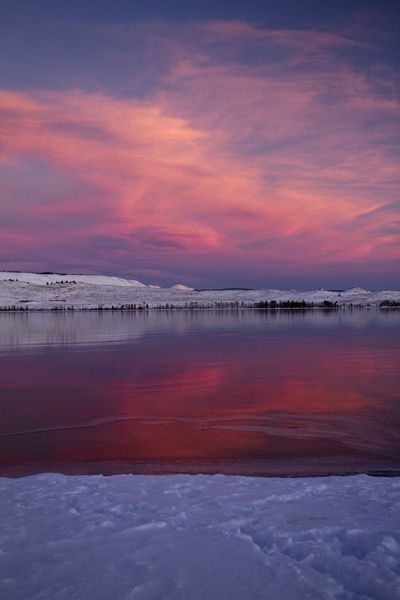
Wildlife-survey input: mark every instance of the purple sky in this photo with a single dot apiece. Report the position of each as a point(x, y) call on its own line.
point(214, 144)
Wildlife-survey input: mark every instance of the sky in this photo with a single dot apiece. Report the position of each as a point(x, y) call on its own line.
point(217, 144)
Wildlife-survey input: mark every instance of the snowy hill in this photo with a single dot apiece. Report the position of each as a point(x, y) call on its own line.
point(182, 288)
point(356, 290)
point(42, 291)
point(51, 278)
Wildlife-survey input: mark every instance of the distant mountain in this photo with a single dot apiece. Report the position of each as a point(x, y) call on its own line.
point(181, 287)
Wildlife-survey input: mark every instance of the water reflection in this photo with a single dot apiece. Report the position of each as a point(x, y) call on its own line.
point(242, 392)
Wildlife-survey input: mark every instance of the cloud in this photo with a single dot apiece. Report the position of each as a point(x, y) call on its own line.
point(252, 146)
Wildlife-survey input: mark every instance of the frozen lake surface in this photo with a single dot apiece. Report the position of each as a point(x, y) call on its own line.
point(235, 392)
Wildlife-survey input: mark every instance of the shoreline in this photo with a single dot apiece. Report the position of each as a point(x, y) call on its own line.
point(127, 308)
point(149, 469)
point(34, 292)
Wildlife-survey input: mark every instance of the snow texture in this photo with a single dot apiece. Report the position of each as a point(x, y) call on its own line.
point(182, 288)
point(199, 537)
point(53, 278)
point(31, 291)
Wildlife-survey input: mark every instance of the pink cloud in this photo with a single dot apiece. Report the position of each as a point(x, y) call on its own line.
point(276, 160)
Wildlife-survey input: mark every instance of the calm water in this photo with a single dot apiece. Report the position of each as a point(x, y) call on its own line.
point(248, 392)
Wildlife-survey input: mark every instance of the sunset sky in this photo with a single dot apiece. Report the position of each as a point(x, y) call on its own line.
point(222, 143)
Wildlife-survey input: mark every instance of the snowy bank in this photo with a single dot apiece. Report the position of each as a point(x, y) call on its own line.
point(63, 278)
point(199, 537)
point(32, 291)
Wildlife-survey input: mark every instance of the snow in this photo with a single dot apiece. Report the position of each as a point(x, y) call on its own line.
point(357, 290)
point(199, 537)
point(53, 278)
point(182, 288)
point(90, 292)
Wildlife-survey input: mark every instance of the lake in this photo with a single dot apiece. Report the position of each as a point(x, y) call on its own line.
point(244, 392)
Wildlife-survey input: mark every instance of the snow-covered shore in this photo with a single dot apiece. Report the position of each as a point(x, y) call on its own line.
point(31, 291)
point(199, 537)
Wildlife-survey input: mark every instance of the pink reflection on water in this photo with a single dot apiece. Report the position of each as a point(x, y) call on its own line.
point(249, 401)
